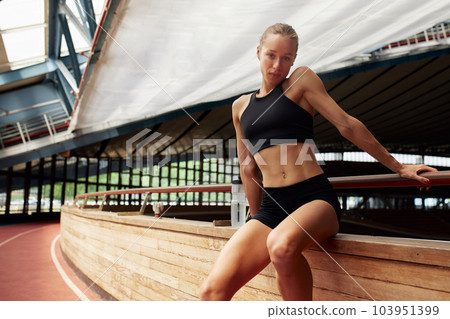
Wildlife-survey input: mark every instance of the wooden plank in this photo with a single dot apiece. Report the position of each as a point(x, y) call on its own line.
point(173, 236)
point(128, 214)
point(260, 282)
point(207, 242)
point(320, 294)
point(379, 290)
point(418, 251)
point(189, 226)
point(379, 239)
point(124, 241)
point(89, 266)
point(430, 252)
point(132, 277)
point(270, 281)
point(154, 281)
point(221, 223)
point(248, 293)
point(129, 264)
point(193, 279)
point(407, 273)
point(121, 288)
point(115, 237)
point(173, 257)
point(265, 283)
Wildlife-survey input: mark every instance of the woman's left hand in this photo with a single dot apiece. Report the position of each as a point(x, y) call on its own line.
point(413, 171)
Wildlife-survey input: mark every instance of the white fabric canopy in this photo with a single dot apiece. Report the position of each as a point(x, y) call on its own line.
point(172, 54)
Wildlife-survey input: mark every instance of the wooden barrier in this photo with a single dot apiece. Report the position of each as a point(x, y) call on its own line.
point(138, 257)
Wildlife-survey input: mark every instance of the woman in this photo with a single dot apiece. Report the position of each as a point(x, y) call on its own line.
point(292, 205)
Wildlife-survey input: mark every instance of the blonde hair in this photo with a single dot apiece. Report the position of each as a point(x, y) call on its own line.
point(280, 28)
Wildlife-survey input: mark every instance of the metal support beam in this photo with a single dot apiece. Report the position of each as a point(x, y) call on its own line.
point(64, 178)
point(20, 114)
point(30, 107)
point(26, 190)
point(64, 8)
point(105, 198)
point(47, 122)
point(40, 184)
point(53, 51)
point(52, 182)
point(67, 75)
point(84, 203)
point(64, 92)
point(52, 124)
point(144, 204)
point(83, 17)
point(97, 46)
point(89, 16)
point(86, 174)
point(25, 73)
point(8, 190)
point(35, 70)
point(77, 162)
point(22, 136)
point(26, 131)
point(73, 55)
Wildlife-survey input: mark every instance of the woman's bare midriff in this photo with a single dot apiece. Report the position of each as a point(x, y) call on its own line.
point(286, 164)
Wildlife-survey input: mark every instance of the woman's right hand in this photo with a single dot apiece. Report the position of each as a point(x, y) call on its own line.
point(413, 171)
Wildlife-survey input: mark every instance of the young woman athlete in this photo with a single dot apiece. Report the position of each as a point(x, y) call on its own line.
point(293, 205)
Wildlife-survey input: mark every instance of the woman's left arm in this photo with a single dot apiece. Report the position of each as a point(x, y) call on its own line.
point(315, 94)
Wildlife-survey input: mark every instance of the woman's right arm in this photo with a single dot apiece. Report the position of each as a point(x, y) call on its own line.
point(249, 170)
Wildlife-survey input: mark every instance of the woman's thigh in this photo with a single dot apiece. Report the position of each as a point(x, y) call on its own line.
point(243, 257)
point(310, 224)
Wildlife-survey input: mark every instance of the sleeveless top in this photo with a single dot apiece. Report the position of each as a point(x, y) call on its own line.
point(275, 119)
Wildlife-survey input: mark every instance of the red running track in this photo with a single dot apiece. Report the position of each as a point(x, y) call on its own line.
point(32, 267)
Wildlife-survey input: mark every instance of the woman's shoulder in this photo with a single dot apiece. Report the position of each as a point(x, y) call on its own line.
point(242, 99)
point(300, 72)
point(239, 105)
point(241, 102)
point(303, 77)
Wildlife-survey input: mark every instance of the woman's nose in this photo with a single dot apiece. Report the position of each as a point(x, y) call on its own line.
point(276, 63)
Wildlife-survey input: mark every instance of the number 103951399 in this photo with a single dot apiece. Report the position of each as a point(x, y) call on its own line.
point(406, 310)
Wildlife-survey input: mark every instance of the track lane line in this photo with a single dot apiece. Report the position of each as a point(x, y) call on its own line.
point(21, 234)
point(63, 274)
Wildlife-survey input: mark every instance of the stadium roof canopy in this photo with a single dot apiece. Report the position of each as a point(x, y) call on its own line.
point(155, 61)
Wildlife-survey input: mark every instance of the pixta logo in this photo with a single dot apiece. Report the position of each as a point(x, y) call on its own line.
point(146, 143)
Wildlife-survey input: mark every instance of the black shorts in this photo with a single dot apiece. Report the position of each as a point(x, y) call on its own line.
point(294, 196)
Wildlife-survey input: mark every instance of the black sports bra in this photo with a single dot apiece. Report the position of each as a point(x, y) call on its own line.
point(275, 119)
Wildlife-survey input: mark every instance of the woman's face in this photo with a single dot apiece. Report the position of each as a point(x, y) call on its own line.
point(276, 56)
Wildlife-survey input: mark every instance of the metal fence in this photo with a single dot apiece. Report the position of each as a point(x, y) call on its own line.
point(34, 126)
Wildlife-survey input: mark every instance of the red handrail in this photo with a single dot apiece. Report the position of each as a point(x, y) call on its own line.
point(169, 189)
point(388, 180)
point(364, 181)
point(32, 135)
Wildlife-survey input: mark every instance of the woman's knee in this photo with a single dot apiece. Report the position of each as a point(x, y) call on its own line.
point(283, 250)
point(212, 289)
point(208, 290)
